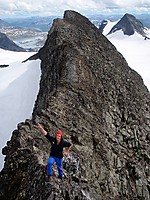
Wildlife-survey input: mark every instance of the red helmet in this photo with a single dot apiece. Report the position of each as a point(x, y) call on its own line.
point(59, 132)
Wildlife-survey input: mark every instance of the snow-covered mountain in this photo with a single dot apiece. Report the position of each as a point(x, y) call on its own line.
point(29, 39)
point(135, 47)
point(128, 24)
point(29, 33)
point(19, 82)
point(7, 44)
point(88, 90)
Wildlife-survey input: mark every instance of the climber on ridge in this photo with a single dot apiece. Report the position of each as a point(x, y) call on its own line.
point(56, 154)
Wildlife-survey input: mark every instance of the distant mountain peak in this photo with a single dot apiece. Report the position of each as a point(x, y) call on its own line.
point(7, 44)
point(129, 25)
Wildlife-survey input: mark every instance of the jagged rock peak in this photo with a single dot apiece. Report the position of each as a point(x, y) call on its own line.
point(76, 18)
point(103, 24)
point(129, 25)
point(89, 92)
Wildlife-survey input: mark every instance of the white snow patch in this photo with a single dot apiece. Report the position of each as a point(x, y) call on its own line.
point(19, 85)
point(136, 52)
point(109, 26)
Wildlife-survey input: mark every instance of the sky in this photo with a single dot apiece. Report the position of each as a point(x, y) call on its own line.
point(26, 8)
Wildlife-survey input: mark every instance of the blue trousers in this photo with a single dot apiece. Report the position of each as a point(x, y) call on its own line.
point(51, 161)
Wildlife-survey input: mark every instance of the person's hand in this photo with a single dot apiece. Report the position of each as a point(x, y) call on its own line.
point(39, 126)
point(65, 154)
point(42, 129)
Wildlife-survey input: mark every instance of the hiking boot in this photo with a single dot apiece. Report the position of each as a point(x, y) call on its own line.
point(60, 177)
point(49, 177)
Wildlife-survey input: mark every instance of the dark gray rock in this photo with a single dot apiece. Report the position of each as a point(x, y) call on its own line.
point(102, 25)
point(88, 90)
point(3, 66)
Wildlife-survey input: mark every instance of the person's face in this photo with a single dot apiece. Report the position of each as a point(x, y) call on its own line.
point(58, 137)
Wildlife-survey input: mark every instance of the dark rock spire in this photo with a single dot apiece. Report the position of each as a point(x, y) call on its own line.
point(129, 25)
point(88, 90)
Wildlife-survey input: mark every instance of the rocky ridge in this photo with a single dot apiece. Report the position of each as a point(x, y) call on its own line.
point(88, 90)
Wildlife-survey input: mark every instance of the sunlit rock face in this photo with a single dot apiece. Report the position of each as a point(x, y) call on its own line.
point(89, 92)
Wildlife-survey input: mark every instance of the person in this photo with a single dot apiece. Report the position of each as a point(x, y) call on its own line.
point(56, 154)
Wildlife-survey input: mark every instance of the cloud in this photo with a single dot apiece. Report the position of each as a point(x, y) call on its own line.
point(54, 7)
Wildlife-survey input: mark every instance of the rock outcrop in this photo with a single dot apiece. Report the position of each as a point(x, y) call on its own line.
point(7, 44)
point(102, 25)
point(88, 90)
point(129, 25)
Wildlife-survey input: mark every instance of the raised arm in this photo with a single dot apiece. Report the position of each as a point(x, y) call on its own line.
point(42, 129)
